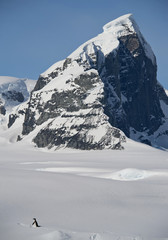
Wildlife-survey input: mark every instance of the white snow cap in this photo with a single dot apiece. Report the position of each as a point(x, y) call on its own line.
point(108, 41)
point(125, 25)
point(118, 22)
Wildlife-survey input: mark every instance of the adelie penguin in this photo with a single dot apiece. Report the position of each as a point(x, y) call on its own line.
point(35, 223)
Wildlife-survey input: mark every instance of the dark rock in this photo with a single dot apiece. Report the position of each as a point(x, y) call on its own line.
point(41, 82)
point(2, 110)
point(19, 138)
point(87, 81)
point(12, 118)
point(132, 75)
point(66, 63)
point(59, 137)
point(29, 122)
point(146, 141)
point(13, 95)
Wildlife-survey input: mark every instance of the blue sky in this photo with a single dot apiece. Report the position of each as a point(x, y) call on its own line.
point(34, 34)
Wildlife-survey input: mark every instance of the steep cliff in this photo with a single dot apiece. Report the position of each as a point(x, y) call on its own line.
point(106, 87)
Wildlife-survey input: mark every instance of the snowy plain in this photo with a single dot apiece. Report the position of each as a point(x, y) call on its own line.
point(83, 195)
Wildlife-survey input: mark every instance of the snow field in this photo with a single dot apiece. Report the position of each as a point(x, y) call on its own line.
point(128, 174)
point(87, 195)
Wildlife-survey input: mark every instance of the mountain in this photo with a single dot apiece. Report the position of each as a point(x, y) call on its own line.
point(105, 90)
point(14, 91)
point(14, 94)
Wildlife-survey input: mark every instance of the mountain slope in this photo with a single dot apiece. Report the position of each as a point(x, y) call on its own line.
point(106, 87)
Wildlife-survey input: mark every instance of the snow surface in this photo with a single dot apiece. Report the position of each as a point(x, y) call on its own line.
point(127, 174)
point(83, 195)
point(7, 79)
point(166, 91)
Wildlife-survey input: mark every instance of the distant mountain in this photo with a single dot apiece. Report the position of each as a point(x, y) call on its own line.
point(14, 91)
point(104, 90)
point(14, 94)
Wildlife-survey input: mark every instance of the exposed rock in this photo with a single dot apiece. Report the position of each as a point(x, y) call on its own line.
point(13, 95)
point(2, 110)
point(132, 76)
point(12, 118)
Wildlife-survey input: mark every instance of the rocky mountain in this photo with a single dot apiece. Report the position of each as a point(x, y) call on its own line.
point(105, 90)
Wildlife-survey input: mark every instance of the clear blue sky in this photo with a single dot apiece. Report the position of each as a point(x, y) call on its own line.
point(34, 34)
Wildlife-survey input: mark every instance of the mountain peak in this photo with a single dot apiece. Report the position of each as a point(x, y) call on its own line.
point(119, 23)
point(109, 39)
point(124, 26)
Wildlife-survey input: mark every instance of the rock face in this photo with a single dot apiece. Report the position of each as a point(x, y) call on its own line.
point(2, 108)
point(106, 87)
point(72, 116)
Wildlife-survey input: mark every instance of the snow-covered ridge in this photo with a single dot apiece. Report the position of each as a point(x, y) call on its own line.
point(11, 80)
point(52, 68)
point(108, 41)
point(118, 25)
point(7, 79)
